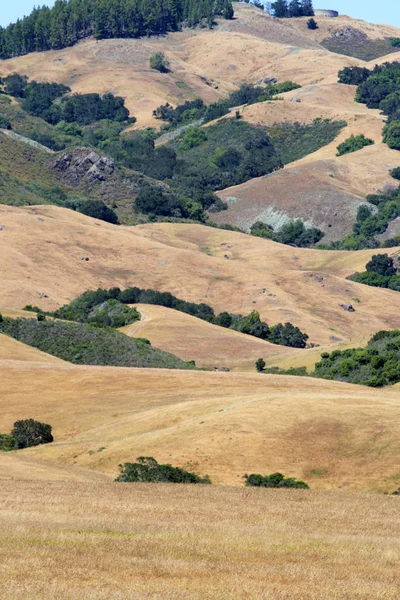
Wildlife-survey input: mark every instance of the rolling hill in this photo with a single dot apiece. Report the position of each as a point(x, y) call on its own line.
point(221, 424)
point(227, 270)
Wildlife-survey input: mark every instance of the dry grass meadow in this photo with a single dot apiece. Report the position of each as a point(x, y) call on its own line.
point(67, 531)
point(76, 541)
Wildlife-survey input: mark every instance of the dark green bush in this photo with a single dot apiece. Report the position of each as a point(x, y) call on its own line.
point(395, 173)
point(276, 480)
point(29, 432)
point(7, 442)
point(98, 210)
point(312, 24)
point(4, 123)
point(147, 469)
point(260, 365)
point(159, 62)
point(353, 143)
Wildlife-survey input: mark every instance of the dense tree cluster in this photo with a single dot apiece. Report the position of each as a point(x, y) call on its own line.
point(50, 102)
point(284, 9)
point(276, 480)
point(380, 272)
point(82, 308)
point(148, 470)
point(293, 233)
point(379, 88)
point(69, 21)
point(376, 365)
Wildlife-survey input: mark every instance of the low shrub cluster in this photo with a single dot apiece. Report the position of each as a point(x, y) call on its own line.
point(92, 303)
point(276, 480)
point(148, 470)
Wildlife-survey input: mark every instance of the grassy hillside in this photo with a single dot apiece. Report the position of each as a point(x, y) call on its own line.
point(89, 345)
point(330, 434)
point(281, 283)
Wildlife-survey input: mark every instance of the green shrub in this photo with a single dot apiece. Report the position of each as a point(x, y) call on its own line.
point(260, 365)
point(7, 442)
point(395, 42)
point(391, 134)
point(29, 432)
point(98, 210)
point(195, 136)
point(312, 24)
point(147, 469)
point(112, 313)
point(159, 62)
point(276, 480)
point(395, 173)
point(353, 143)
point(4, 123)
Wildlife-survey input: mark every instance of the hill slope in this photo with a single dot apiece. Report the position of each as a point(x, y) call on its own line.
point(221, 424)
point(42, 265)
point(193, 339)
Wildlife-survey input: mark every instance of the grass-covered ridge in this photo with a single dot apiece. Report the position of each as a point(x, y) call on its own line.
point(84, 344)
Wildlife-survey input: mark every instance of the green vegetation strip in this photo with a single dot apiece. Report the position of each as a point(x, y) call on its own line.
point(84, 344)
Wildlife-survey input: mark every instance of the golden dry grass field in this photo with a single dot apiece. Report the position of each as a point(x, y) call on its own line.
point(331, 434)
point(95, 541)
point(66, 529)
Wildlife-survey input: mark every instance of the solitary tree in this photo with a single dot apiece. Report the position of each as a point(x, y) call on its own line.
point(312, 24)
point(280, 9)
point(160, 63)
point(260, 365)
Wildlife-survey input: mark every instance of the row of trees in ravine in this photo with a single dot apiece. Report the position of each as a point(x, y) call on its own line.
point(69, 21)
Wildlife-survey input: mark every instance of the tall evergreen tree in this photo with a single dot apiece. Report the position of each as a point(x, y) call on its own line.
point(280, 9)
point(307, 9)
point(295, 8)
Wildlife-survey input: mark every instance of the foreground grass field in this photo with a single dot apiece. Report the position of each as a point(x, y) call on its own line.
point(95, 541)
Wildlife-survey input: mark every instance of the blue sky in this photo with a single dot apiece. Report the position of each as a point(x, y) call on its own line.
point(384, 11)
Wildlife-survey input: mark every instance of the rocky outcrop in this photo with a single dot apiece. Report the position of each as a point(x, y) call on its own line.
point(84, 165)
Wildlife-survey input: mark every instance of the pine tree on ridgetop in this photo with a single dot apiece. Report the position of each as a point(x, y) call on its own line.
point(280, 8)
point(307, 9)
